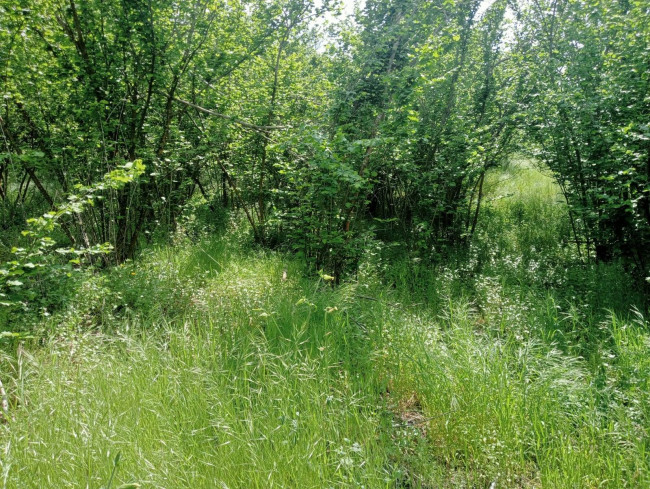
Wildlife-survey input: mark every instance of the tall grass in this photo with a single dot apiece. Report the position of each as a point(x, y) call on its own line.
point(523, 413)
point(212, 364)
point(246, 381)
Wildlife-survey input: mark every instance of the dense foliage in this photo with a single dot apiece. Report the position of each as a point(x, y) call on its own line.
point(324, 135)
point(587, 113)
point(252, 243)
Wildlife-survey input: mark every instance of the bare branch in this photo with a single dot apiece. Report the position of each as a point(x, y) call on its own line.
point(234, 120)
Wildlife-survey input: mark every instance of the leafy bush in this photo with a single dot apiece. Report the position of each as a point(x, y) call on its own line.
point(36, 277)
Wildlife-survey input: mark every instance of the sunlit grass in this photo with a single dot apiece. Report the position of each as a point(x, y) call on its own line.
point(210, 363)
point(252, 384)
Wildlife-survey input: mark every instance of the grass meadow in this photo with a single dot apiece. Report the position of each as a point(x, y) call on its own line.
point(209, 363)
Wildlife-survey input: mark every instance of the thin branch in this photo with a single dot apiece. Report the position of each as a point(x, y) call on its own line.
point(234, 120)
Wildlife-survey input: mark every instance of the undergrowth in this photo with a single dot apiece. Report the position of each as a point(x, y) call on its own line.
point(209, 363)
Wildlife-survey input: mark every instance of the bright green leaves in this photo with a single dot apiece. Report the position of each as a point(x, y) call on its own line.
point(319, 198)
point(35, 258)
point(125, 174)
point(590, 80)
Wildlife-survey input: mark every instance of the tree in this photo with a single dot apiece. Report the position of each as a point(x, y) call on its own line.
point(588, 112)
